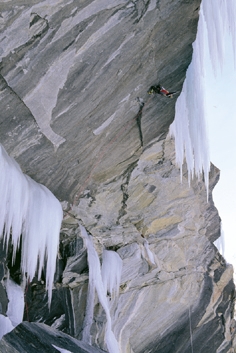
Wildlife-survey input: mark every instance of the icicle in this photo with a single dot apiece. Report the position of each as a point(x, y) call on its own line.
point(29, 210)
point(95, 282)
point(111, 271)
point(189, 126)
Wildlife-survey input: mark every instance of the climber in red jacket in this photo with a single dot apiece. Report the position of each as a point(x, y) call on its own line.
point(161, 90)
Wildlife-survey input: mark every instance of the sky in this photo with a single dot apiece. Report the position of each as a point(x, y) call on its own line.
point(220, 104)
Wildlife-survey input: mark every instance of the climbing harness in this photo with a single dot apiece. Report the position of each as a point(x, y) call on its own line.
point(161, 90)
point(153, 89)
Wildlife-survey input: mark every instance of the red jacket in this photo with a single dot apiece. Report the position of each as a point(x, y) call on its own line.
point(163, 91)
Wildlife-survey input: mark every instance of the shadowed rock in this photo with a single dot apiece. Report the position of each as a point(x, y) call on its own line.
point(35, 338)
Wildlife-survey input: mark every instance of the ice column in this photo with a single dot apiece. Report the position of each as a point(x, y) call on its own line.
point(95, 282)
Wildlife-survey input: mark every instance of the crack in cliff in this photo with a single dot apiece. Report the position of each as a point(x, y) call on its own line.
point(139, 117)
point(124, 189)
point(141, 8)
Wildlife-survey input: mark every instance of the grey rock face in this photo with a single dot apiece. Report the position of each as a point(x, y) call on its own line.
point(183, 299)
point(74, 77)
point(34, 338)
point(71, 75)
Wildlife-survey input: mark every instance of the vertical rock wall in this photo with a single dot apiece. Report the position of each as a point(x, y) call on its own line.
point(74, 77)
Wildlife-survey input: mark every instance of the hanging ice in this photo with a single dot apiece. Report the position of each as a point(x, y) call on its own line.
point(30, 212)
point(189, 127)
point(5, 325)
point(95, 282)
point(111, 271)
point(15, 295)
point(15, 308)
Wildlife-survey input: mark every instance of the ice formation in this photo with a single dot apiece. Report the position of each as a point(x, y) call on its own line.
point(95, 282)
point(111, 271)
point(15, 295)
point(189, 126)
point(15, 308)
point(5, 325)
point(29, 212)
point(62, 350)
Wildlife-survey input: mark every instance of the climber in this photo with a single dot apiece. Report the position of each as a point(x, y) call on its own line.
point(161, 90)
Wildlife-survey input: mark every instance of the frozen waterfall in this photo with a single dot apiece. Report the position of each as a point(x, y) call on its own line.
point(189, 127)
point(111, 271)
point(95, 282)
point(29, 212)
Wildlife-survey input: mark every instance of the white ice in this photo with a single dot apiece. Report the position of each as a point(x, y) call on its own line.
point(95, 282)
point(62, 350)
point(111, 271)
point(189, 127)
point(5, 325)
point(15, 309)
point(29, 211)
point(15, 295)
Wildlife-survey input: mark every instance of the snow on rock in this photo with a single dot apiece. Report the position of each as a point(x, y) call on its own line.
point(95, 282)
point(111, 271)
point(29, 211)
point(189, 127)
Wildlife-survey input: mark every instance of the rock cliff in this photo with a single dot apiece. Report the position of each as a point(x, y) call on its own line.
point(76, 115)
